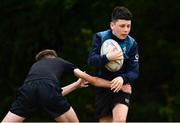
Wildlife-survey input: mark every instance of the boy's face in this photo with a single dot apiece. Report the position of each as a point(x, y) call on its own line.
point(121, 28)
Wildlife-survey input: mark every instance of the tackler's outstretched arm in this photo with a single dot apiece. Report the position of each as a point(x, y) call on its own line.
point(96, 81)
point(99, 82)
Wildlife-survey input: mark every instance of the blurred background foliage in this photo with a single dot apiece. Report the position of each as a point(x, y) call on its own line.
point(28, 26)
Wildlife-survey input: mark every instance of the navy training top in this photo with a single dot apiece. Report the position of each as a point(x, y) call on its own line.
point(130, 69)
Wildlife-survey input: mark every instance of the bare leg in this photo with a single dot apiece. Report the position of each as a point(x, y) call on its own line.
point(69, 116)
point(11, 117)
point(106, 119)
point(120, 112)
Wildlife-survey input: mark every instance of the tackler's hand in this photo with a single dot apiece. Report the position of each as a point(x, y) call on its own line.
point(116, 84)
point(82, 83)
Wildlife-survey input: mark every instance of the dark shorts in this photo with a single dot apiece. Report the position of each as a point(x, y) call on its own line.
point(105, 101)
point(41, 95)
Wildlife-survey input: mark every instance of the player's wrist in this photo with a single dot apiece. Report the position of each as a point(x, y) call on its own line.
point(77, 84)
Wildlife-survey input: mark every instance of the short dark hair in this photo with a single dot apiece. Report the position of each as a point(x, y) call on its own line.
point(42, 54)
point(121, 12)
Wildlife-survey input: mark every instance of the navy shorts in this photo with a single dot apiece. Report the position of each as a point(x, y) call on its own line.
point(41, 95)
point(105, 101)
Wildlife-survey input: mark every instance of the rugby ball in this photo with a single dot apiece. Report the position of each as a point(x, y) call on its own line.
point(107, 45)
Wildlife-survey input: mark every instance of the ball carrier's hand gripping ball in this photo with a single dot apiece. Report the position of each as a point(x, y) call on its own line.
point(108, 45)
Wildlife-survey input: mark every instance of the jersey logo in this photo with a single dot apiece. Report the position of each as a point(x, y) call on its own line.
point(136, 57)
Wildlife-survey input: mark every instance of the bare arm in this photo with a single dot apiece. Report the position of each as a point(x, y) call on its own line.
point(96, 81)
point(80, 83)
point(99, 82)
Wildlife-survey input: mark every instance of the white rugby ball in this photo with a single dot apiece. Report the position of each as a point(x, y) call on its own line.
point(107, 45)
